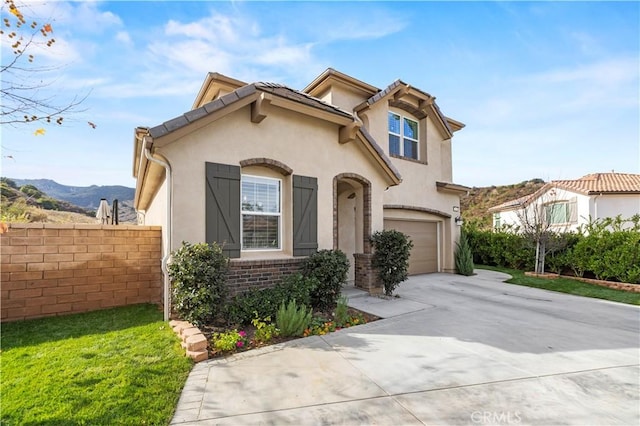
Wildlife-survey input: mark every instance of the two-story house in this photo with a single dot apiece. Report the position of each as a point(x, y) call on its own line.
point(273, 174)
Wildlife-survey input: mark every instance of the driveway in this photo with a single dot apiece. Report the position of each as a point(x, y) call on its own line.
point(451, 350)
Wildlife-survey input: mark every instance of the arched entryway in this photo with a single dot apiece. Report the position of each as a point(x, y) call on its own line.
point(351, 217)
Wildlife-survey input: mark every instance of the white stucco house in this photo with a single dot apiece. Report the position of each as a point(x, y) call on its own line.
point(273, 174)
point(568, 204)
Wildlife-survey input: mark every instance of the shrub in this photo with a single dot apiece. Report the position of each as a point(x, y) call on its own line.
point(265, 330)
point(341, 314)
point(264, 303)
point(391, 257)
point(292, 320)
point(198, 275)
point(230, 340)
point(330, 268)
point(463, 257)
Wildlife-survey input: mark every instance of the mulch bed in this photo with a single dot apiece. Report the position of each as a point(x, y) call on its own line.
point(209, 330)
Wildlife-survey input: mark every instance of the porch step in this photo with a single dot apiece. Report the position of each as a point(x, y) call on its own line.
point(352, 292)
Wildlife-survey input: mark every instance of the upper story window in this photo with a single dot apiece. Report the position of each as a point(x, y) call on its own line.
point(403, 136)
point(261, 213)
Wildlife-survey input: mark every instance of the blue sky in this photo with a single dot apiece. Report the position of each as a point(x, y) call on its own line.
point(546, 89)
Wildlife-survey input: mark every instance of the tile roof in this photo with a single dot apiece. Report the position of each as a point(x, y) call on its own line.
point(603, 183)
point(248, 90)
point(592, 184)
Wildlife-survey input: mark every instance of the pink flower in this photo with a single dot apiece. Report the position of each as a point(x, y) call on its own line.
point(242, 334)
point(240, 343)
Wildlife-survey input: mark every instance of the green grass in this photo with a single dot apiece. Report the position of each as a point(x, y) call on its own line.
point(117, 366)
point(565, 285)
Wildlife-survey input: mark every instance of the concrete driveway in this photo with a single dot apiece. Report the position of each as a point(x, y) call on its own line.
point(451, 350)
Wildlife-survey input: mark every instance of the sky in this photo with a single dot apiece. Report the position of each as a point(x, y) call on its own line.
point(546, 90)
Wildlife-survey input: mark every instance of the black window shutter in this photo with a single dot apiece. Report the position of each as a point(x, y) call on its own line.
point(305, 215)
point(223, 207)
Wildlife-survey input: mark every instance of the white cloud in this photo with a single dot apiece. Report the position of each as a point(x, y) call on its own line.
point(124, 37)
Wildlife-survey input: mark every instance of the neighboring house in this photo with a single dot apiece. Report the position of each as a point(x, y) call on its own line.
point(566, 205)
point(274, 174)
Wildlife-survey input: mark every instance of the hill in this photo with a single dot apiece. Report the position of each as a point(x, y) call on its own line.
point(475, 205)
point(83, 196)
point(23, 200)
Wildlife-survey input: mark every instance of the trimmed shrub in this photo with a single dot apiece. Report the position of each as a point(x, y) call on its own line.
point(243, 308)
point(391, 257)
point(329, 268)
point(198, 279)
point(463, 257)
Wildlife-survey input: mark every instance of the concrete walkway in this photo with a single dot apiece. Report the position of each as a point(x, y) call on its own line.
point(451, 350)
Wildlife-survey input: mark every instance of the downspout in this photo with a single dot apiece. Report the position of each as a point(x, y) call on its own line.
point(595, 206)
point(167, 256)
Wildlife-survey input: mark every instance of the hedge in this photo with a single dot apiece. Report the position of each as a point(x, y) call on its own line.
point(608, 249)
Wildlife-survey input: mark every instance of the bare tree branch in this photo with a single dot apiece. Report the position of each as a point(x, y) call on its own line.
point(22, 82)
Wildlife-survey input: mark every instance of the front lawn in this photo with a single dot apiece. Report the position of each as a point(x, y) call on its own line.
point(565, 285)
point(117, 366)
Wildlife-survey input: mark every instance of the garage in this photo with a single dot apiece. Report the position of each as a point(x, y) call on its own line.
point(424, 254)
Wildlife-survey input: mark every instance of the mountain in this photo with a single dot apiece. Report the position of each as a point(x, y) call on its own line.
point(83, 196)
point(475, 205)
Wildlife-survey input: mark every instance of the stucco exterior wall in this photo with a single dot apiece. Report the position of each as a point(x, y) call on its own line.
point(307, 145)
point(418, 187)
point(614, 205)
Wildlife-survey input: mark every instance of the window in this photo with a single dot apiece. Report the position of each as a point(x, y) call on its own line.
point(557, 213)
point(403, 136)
point(496, 220)
point(261, 213)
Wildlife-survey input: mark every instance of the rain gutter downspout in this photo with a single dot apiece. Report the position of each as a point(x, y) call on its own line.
point(167, 256)
point(595, 206)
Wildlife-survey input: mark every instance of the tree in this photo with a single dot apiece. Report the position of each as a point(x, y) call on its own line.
point(544, 218)
point(463, 256)
point(23, 80)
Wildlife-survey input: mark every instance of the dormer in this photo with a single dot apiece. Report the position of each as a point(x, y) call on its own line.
point(340, 89)
point(215, 86)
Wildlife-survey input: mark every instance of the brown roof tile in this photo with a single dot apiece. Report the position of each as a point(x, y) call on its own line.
point(603, 183)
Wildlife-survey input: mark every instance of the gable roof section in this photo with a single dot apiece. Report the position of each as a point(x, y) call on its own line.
point(330, 75)
point(213, 84)
point(242, 93)
point(401, 88)
point(592, 184)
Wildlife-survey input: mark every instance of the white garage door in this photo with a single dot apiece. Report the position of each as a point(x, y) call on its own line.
point(424, 254)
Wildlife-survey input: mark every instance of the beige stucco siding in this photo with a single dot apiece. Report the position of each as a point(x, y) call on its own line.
point(307, 145)
point(418, 187)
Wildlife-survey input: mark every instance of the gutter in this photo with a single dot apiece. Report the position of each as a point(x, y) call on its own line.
point(167, 256)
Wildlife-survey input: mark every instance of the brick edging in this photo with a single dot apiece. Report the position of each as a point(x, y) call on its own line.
point(633, 288)
point(192, 340)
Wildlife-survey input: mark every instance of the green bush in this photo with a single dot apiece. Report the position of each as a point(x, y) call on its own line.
point(463, 257)
point(330, 268)
point(265, 329)
point(292, 320)
point(264, 303)
point(607, 248)
point(342, 311)
point(391, 257)
point(198, 278)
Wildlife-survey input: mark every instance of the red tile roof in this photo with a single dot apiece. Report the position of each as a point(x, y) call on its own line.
point(592, 184)
point(602, 183)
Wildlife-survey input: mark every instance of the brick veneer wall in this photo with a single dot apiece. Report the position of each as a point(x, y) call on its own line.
point(55, 269)
point(249, 274)
point(366, 275)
